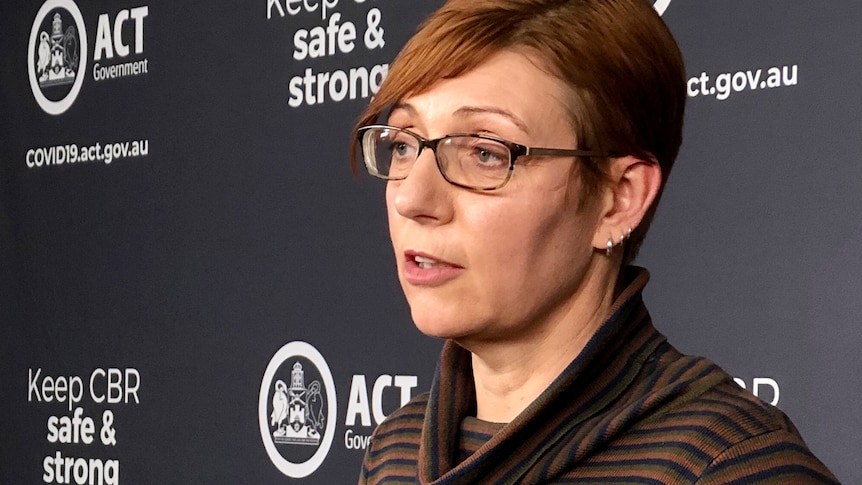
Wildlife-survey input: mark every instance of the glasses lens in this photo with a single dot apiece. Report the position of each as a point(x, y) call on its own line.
point(474, 161)
point(388, 152)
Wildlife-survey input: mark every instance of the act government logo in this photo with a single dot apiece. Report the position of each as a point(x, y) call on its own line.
point(57, 51)
point(297, 409)
point(57, 55)
point(661, 6)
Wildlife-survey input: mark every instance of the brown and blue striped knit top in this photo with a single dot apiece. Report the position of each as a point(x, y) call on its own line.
point(630, 409)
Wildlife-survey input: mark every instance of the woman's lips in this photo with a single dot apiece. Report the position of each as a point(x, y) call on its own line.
point(422, 269)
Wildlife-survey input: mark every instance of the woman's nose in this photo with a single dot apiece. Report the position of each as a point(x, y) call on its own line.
point(424, 196)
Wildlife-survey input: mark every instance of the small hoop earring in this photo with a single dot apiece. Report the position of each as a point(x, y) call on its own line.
point(610, 245)
point(629, 234)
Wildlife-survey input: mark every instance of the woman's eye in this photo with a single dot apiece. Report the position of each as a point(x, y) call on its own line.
point(399, 148)
point(489, 156)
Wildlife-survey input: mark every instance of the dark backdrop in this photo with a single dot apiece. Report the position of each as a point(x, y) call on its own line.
point(173, 278)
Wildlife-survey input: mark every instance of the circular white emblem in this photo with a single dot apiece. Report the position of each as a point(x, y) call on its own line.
point(61, 56)
point(661, 6)
point(297, 417)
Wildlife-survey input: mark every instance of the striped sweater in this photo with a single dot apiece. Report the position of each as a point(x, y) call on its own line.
point(630, 409)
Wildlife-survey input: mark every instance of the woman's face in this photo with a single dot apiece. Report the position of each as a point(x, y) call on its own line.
point(490, 266)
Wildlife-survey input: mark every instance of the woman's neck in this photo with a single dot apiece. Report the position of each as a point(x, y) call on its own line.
point(511, 374)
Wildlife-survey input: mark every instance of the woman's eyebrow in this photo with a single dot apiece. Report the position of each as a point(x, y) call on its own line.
point(466, 111)
point(401, 105)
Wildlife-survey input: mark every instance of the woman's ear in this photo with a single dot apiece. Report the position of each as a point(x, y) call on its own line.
point(631, 190)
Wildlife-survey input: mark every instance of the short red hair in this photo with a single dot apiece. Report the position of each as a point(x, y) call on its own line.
point(624, 69)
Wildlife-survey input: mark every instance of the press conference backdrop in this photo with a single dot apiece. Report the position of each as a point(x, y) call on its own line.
point(195, 288)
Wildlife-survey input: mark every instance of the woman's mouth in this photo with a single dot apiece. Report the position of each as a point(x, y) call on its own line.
point(427, 263)
point(425, 270)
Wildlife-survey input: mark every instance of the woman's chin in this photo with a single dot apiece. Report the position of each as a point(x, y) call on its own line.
point(439, 324)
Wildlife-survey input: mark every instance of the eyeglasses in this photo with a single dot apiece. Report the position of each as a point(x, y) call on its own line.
point(475, 162)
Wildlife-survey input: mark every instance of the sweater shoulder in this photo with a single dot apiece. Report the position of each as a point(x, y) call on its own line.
point(701, 398)
point(404, 426)
point(394, 447)
point(408, 416)
point(775, 457)
point(728, 414)
point(727, 434)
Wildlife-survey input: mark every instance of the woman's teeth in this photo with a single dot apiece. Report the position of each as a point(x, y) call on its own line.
point(425, 263)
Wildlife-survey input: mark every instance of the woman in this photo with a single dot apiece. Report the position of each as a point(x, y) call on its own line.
point(525, 144)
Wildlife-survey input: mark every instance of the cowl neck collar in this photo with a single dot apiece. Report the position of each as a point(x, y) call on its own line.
point(590, 383)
